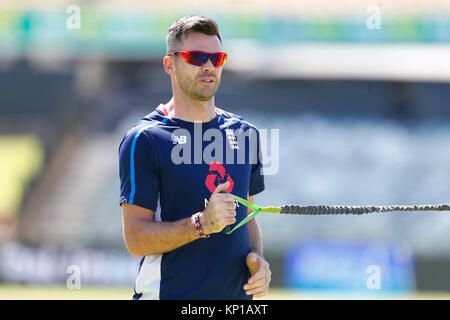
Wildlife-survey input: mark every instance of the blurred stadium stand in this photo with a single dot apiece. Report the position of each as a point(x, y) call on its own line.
point(363, 117)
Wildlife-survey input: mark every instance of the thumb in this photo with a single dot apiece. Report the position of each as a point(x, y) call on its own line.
point(221, 187)
point(252, 262)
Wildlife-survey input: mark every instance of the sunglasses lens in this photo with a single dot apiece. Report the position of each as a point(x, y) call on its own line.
point(218, 59)
point(197, 58)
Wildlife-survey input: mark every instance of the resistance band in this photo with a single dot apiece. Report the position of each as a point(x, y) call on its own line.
point(323, 209)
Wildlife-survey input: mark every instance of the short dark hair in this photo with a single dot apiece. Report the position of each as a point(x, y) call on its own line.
point(181, 28)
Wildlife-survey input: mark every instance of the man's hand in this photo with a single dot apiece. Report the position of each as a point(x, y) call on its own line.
point(220, 211)
point(260, 276)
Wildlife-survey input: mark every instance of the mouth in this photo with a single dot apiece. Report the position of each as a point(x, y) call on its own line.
point(208, 81)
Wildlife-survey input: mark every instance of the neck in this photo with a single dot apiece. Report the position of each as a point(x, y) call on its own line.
point(185, 108)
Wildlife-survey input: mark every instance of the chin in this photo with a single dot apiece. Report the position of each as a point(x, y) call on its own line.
point(204, 97)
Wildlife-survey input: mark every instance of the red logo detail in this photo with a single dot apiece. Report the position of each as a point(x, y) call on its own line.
point(218, 176)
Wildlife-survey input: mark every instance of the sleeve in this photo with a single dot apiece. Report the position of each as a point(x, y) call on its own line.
point(256, 176)
point(138, 170)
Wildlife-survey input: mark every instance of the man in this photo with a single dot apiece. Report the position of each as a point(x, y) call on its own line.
point(174, 211)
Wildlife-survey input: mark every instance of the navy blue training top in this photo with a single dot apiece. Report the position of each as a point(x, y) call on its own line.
point(172, 166)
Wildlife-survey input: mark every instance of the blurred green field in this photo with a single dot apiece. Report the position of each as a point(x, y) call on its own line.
point(25, 292)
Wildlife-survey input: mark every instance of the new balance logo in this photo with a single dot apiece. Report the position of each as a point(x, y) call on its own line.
point(179, 139)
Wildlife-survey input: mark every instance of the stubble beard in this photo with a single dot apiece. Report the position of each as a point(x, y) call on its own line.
point(191, 88)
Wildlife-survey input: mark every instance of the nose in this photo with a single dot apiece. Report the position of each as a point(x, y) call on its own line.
point(208, 65)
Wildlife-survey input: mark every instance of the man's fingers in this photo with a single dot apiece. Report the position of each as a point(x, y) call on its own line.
point(226, 207)
point(229, 213)
point(256, 284)
point(261, 273)
point(257, 292)
point(229, 221)
point(222, 197)
point(226, 217)
point(221, 187)
point(257, 276)
point(221, 205)
point(261, 288)
point(262, 294)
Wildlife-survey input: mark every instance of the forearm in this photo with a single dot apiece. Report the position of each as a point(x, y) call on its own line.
point(259, 268)
point(151, 237)
point(255, 238)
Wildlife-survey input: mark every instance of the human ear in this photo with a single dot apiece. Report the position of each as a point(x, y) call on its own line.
point(169, 65)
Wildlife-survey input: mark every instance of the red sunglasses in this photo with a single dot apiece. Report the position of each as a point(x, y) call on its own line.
point(199, 58)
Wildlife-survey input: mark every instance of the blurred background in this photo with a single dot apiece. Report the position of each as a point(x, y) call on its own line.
point(358, 89)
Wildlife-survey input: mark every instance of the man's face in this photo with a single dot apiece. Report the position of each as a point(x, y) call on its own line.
point(190, 78)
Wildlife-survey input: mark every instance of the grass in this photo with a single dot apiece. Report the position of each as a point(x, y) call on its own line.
point(25, 292)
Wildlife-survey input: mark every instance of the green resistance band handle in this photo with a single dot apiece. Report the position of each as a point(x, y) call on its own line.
point(256, 210)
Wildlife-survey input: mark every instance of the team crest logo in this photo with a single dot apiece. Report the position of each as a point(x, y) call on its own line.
point(232, 139)
point(217, 175)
